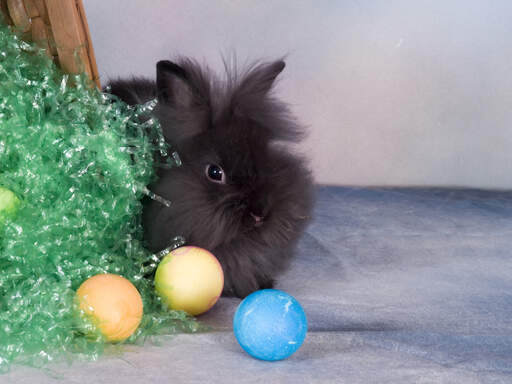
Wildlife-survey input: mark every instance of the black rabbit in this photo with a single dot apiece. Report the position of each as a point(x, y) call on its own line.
point(240, 192)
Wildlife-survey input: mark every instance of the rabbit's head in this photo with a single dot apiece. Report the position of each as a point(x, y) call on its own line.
point(238, 181)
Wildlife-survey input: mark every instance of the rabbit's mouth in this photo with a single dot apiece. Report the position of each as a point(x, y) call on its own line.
point(258, 220)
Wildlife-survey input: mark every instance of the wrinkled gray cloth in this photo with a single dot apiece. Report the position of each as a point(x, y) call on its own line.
point(399, 286)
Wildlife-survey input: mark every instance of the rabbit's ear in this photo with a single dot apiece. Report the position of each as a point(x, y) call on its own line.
point(173, 85)
point(260, 79)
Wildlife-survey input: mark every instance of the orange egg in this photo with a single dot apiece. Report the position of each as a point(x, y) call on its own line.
point(112, 303)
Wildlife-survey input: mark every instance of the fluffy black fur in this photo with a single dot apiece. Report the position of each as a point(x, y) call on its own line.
point(253, 220)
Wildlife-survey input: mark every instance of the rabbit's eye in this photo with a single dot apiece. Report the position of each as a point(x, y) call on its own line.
point(215, 174)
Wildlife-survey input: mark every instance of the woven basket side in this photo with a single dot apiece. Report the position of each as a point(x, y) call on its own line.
point(60, 28)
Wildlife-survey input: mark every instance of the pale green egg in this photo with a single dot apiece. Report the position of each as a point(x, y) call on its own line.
point(9, 204)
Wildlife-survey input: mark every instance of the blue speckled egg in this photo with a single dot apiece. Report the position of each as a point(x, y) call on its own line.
point(270, 324)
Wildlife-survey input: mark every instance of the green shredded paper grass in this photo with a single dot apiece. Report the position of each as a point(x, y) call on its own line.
point(78, 162)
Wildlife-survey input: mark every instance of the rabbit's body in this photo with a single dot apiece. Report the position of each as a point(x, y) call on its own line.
point(239, 192)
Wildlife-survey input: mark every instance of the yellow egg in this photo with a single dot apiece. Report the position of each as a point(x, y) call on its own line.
point(112, 303)
point(189, 279)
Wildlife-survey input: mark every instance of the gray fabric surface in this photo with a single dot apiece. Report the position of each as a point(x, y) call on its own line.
point(399, 285)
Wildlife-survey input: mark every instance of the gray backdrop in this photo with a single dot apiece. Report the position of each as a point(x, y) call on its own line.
point(394, 92)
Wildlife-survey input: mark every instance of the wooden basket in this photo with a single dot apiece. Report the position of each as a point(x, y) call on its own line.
point(58, 26)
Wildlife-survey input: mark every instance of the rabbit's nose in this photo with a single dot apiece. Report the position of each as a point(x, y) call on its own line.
point(256, 218)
